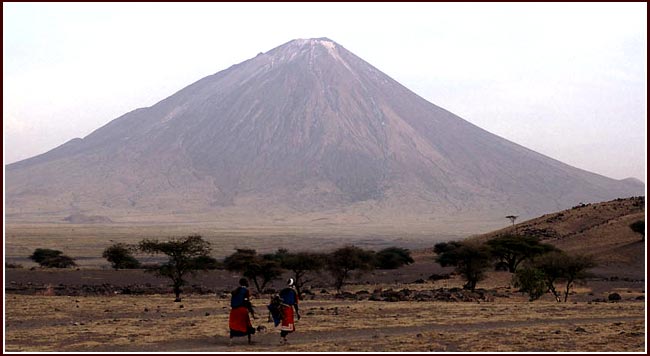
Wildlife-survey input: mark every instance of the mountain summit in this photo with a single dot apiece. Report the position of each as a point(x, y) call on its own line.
point(304, 132)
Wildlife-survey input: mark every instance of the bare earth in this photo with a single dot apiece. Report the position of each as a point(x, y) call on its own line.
point(154, 323)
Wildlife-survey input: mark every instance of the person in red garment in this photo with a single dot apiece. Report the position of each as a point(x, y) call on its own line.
point(240, 321)
point(288, 302)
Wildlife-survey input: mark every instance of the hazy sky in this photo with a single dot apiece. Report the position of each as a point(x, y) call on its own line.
point(566, 80)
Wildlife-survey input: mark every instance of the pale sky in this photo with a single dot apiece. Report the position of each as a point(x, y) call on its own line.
point(565, 80)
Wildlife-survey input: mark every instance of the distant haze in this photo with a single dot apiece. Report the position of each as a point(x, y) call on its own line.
point(568, 81)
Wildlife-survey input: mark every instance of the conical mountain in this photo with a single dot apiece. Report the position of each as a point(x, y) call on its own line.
point(304, 132)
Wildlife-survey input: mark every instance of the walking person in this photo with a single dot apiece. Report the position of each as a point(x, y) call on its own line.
point(239, 320)
point(288, 302)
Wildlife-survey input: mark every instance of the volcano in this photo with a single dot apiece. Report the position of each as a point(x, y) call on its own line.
point(306, 132)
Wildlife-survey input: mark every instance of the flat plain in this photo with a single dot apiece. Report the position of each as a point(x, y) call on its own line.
point(154, 323)
point(88, 310)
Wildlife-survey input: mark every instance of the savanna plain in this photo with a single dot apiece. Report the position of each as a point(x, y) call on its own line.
point(39, 318)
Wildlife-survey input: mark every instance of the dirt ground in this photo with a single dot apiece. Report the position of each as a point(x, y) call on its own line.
point(508, 323)
point(199, 324)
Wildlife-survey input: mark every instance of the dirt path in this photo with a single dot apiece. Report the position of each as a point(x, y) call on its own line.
point(269, 341)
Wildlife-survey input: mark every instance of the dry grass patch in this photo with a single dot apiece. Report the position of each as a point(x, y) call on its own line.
point(156, 323)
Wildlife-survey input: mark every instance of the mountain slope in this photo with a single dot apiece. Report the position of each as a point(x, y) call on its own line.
point(305, 131)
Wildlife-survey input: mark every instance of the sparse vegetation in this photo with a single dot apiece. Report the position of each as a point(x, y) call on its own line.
point(253, 266)
point(182, 253)
point(512, 250)
point(512, 218)
point(393, 258)
point(551, 269)
point(345, 261)
point(300, 264)
point(639, 228)
point(52, 258)
point(470, 259)
point(530, 281)
point(120, 256)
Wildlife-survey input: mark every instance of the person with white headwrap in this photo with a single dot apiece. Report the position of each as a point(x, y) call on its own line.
point(288, 302)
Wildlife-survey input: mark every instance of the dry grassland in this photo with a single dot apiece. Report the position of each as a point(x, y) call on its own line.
point(199, 324)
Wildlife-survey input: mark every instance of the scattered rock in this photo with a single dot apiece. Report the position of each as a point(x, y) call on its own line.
point(580, 330)
point(614, 297)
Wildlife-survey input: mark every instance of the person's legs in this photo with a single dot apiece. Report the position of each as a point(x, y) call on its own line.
point(283, 337)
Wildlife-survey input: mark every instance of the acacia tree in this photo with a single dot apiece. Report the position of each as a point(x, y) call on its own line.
point(512, 218)
point(471, 260)
point(344, 261)
point(182, 254)
point(511, 250)
point(301, 264)
point(260, 270)
point(553, 268)
point(120, 256)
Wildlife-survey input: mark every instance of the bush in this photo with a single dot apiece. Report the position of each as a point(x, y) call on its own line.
point(530, 281)
point(119, 255)
point(639, 228)
point(206, 263)
point(52, 258)
point(393, 258)
point(61, 261)
point(614, 297)
point(550, 269)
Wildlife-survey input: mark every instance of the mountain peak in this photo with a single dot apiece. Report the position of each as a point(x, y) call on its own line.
point(307, 49)
point(309, 43)
point(313, 41)
point(305, 132)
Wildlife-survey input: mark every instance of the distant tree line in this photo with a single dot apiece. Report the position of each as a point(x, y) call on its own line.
point(189, 255)
point(537, 268)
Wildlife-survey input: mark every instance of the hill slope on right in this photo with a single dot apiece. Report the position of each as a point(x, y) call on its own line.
point(601, 230)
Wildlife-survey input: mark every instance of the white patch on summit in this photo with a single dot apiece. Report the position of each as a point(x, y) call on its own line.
point(331, 49)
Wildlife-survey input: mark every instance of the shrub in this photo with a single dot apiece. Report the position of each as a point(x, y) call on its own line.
point(119, 255)
point(393, 258)
point(639, 228)
point(52, 258)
